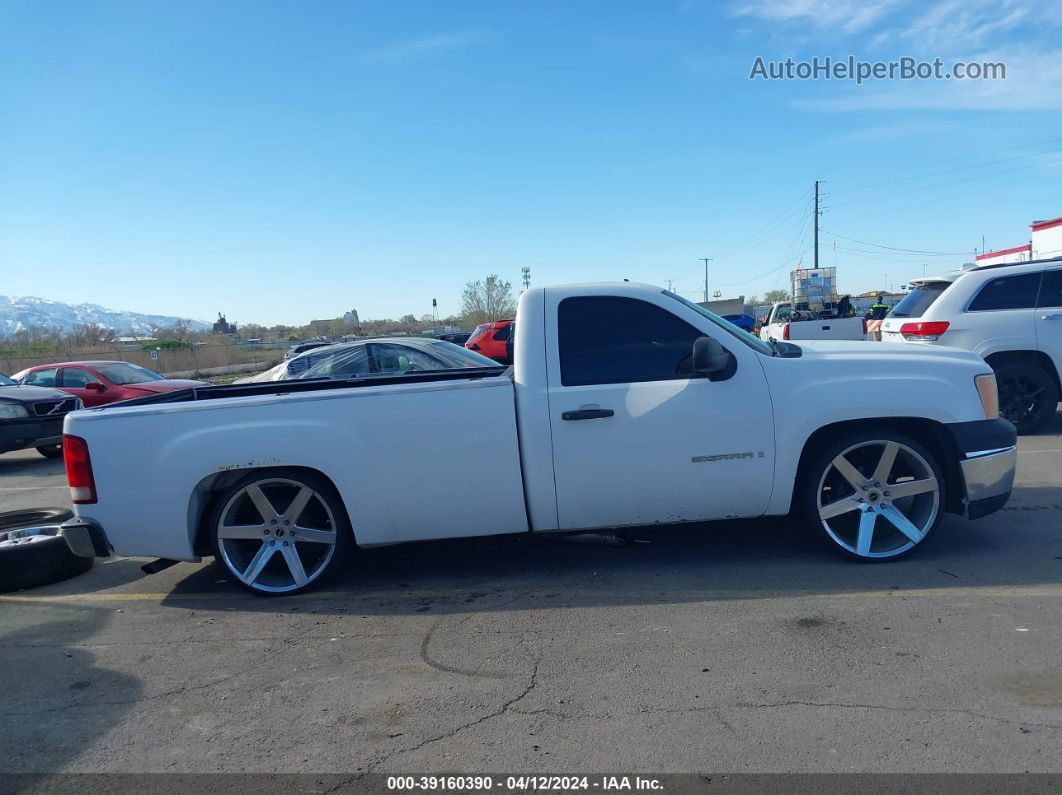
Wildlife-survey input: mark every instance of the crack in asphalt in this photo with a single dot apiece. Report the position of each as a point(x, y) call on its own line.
point(505, 707)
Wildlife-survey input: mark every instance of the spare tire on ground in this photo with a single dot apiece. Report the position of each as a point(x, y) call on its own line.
point(33, 551)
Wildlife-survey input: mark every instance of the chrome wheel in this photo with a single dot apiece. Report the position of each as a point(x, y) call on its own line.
point(276, 535)
point(878, 499)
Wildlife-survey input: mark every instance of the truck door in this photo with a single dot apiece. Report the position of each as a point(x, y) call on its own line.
point(636, 439)
point(1049, 316)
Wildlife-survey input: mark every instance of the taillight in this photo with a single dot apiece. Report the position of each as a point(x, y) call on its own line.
point(785, 331)
point(925, 332)
point(78, 470)
point(864, 327)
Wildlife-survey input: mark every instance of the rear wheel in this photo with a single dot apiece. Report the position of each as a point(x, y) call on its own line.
point(280, 532)
point(874, 496)
point(51, 451)
point(1028, 396)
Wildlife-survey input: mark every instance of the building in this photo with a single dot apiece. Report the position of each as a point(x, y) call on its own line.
point(1044, 242)
point(1047, 238)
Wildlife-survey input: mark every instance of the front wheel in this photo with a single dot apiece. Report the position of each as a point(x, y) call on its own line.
point(874, 496)
point(280, 532)
point(1028, 396)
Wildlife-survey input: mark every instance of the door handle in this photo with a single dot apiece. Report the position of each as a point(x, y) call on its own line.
point(1052, 316)
point(587, 414)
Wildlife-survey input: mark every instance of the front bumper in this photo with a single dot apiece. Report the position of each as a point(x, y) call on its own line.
point(988, 456)
point(86, 538)
point(23, 433)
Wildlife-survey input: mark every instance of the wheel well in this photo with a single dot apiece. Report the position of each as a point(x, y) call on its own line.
point(207, 491)
point(931, 433)
point(1035, 358)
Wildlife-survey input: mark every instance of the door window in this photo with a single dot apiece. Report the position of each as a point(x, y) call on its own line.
point(503, 333)
point(1051, 289)
point(610, 340)
point(74, 379)
point(41, 377)
point(1007, 292)
point(403, 359)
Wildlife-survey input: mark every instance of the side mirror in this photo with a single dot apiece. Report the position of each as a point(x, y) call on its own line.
point(96, 385)
point(712, 360)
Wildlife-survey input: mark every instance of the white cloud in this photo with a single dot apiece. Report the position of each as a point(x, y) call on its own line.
point(403, 50)
point(1033, 82)
point(849, 15)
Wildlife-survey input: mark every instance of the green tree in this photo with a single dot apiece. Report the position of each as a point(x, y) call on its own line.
point(773, 296)
point(486, 300)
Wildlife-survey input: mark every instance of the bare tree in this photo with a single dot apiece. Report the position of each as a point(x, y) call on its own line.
point(486, 300)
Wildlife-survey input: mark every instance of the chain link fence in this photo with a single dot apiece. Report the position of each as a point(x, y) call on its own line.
point(189, 361)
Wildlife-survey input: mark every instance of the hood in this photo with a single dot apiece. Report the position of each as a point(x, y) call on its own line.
point(869, 350)
point(31, 393)
point(169, 385)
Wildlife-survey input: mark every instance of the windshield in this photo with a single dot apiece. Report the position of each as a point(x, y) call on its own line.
point(121, 374)
point(751, 340)
point(921, 297)
point(5, 381)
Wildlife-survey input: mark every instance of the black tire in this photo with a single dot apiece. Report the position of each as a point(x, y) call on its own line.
point(816, 471)
point(42, 562)
point(1028, 395)
point(340, 523)
point(51, 451)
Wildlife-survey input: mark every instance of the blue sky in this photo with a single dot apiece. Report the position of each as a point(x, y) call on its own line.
point(288, 160)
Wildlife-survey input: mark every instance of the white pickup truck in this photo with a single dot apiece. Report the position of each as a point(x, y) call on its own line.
point(785, 324)
point(627, 405)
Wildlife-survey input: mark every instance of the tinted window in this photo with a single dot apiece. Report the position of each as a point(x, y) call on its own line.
point(916, 302)
point(342, 361)
point(74, 378)
point(606, 340)
point(5, 381)
point(1051, 289)
point(41, 378)
point(1007, 292)
point(503, 334)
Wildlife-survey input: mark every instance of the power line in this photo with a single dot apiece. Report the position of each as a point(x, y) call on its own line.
point(894, 248)
point(946, 184)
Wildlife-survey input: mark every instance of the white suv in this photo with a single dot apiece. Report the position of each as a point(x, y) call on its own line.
point(1009, 314)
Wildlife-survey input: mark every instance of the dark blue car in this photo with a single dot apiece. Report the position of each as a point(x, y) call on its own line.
point(742, 321)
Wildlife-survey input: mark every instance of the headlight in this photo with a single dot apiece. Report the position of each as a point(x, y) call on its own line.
point(12, 411)
point(986, 389)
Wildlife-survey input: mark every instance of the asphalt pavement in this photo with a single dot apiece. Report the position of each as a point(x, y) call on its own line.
point(736, 646)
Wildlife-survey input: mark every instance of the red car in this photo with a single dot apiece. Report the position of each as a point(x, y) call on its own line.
point(493, 340)
point(99, 383)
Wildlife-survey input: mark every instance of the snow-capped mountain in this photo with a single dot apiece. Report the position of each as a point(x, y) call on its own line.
point(21, 313)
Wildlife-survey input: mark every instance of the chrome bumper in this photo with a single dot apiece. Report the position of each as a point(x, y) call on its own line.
point(989, 478)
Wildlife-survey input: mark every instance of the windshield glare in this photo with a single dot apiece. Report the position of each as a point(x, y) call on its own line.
point(122, 374)
point(751, 340)
point(5, 381)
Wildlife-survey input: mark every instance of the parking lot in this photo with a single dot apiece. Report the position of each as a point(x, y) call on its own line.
point(738, 646)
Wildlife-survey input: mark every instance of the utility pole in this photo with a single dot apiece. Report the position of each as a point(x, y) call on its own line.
point(706, 261)
point(669, 283)
point(526, 271)
point(816, 224)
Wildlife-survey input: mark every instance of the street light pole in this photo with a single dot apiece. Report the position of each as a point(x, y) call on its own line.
point(706, 261)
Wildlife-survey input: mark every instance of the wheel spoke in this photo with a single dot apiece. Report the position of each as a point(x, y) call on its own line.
point(848, 472)
point(866, 532)
point(838, 507)
point(313, 536)
point(261, 502)
point(912, 487)
point(901, 522)
point(244, 532)
point(258, 562)
point(298, 505)
point(884, 467)
point(291, 557)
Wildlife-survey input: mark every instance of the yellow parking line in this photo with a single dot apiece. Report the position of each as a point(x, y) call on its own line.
point(954, 592)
